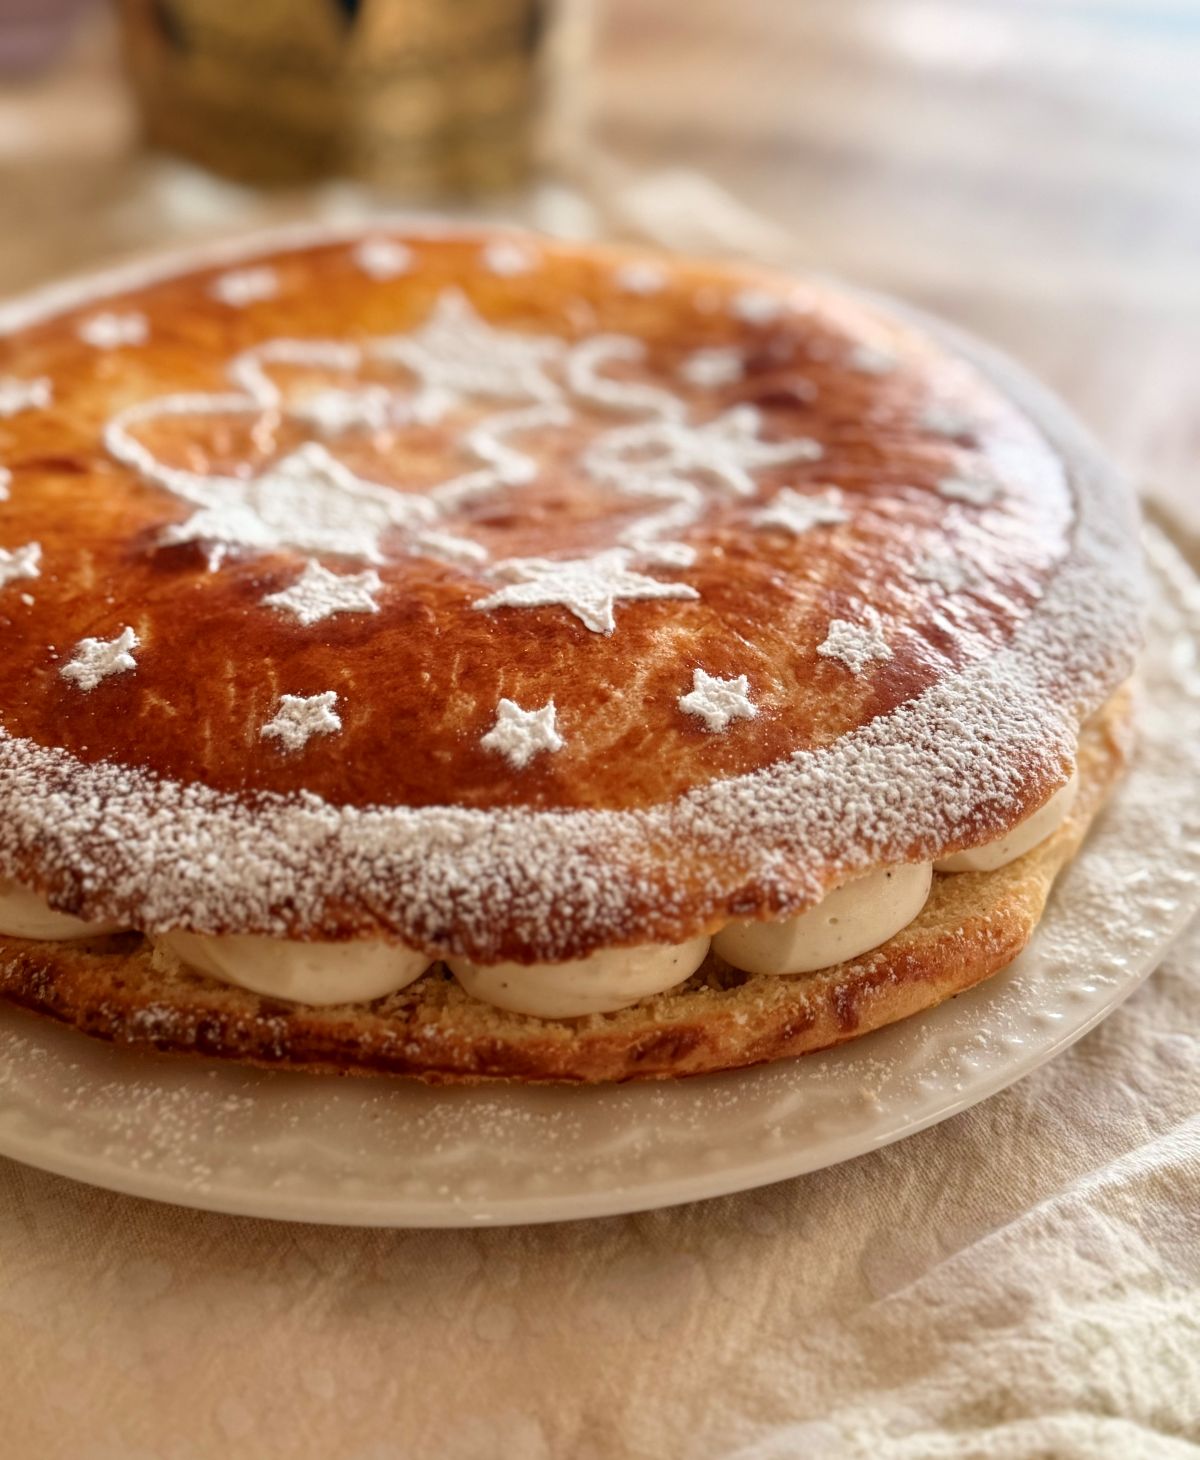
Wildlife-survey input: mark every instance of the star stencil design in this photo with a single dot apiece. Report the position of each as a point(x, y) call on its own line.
point(300, 717)
point(718, 701)
point(587, 587)
point(319, 594)
point(96, 659)
point(518, 735)
point(456, 354)
point(856, 645)
point(795, 513)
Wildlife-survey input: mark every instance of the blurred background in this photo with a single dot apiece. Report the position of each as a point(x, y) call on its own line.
point(1028, 168)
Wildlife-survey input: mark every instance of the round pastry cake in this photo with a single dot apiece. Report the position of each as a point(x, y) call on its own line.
point(469, 656)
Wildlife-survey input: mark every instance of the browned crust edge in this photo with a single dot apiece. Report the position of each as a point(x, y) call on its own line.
point(973, 925)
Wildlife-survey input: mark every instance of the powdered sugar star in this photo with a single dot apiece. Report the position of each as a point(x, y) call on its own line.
point(96, 659)
point(586, 587)
point(508, 258)
point(383, 258)
point(795, 513)
point(718, 701)
point(319, 594)
point(307, 500)
point(109, 331)
point(456, 354)
point(241, 287)
point(726, 449)
point(640, 277)
point(24, 395)
point(300, 717)
point(710, 369)
point(756, 306)
point(518, 735)
point(22, 562)
point(856, 645)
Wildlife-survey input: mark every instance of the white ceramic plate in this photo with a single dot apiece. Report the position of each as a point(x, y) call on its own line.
point(382, 1153)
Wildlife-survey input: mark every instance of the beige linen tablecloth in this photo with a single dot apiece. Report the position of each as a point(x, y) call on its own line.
point(1021, 1281)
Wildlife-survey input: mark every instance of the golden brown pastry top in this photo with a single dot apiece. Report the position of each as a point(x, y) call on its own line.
point(785, 514)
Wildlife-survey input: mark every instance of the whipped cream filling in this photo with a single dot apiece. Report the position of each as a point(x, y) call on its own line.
point(1021, 839)
point(850, 920)
point(306, 973)
point(25, 914)
point(611, 979)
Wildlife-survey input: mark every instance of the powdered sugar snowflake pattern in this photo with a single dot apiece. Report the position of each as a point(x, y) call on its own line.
point(589, 588)
point(713, 368)
point(518, 735)
point(946, 572)
point(756, 306)
point(718, 701)
point(22, 562)
point(640, 277)
point(508, 258)
point(24, 395)
point(793, 512)
point(319, 594)
point(111, 331)
point(871, 360)
point(383, 258)
point(856, 644)
point(310, 500)
point(300, 717)
point(242, 287)
point(975, 491)
point(97, 659)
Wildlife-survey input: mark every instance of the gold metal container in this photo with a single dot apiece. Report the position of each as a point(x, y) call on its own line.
point(418, 96)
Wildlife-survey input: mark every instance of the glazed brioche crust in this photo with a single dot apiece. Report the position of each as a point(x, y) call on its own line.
point(158, 799)
point(973, 925)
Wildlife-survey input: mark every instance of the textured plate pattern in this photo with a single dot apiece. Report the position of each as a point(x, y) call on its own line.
point(377, 1153)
